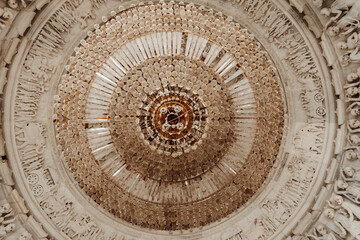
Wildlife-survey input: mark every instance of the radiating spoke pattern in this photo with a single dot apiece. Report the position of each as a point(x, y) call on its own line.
point(171, 116)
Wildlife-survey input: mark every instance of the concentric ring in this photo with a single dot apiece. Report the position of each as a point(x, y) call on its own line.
point(220, 77)
point(172, 120)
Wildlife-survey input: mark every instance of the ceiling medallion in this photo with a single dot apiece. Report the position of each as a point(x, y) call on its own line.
point(172, 120)
point(179, 114)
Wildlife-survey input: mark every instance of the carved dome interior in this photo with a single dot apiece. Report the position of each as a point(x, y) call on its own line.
point(221, 119)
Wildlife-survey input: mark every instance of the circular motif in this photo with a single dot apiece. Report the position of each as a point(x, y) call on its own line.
point(164, 126)
point(320, 111)
point(38, 190)
point(32, 178)
point(318, 97)
point(172, 120)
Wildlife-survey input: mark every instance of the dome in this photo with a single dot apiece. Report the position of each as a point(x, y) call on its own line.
point(218, 119)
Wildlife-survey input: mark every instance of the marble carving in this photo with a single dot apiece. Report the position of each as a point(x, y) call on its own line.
point(180, 120)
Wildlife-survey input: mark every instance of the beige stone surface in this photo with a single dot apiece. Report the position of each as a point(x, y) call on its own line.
point(180, 120)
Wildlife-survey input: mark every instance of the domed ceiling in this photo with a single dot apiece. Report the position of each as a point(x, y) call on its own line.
point(233, 120)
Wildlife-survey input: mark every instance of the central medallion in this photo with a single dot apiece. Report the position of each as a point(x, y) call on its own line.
point(172, 120)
